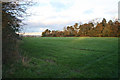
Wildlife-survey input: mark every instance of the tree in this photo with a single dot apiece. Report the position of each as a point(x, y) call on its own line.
point(76, 26)
point(11, 23)
point(90, 28)
point(116, 29)
point(99, 30)
point(70, 31)
point(47, 32)
point(110, 22)
point(107, 31)
point(104, 21)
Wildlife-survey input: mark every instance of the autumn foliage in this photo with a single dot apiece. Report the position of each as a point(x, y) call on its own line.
point(101, 29)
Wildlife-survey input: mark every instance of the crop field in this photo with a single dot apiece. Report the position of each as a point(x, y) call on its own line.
point(67, 57)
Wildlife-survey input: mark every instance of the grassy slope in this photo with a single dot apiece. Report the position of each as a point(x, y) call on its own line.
point(69, 57)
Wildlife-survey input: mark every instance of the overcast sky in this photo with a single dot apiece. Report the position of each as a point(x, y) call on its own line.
point(55, 14)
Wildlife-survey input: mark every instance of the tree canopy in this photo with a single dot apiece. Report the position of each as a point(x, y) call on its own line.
point(101, 29)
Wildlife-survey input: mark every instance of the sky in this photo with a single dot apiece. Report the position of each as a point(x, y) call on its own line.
point(56, 14)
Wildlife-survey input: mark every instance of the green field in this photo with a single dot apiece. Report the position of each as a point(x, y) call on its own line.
point(68, 57)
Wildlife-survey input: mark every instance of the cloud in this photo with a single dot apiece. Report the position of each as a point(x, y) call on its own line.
point(59, 5)
point(55, 14)
point(90, 11)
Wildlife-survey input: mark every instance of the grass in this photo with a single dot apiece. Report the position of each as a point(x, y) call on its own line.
point(67, 57)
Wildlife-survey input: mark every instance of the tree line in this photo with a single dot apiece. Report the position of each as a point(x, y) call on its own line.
point(101, 29)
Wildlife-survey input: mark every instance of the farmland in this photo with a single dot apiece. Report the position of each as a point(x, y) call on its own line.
point(67, 57)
